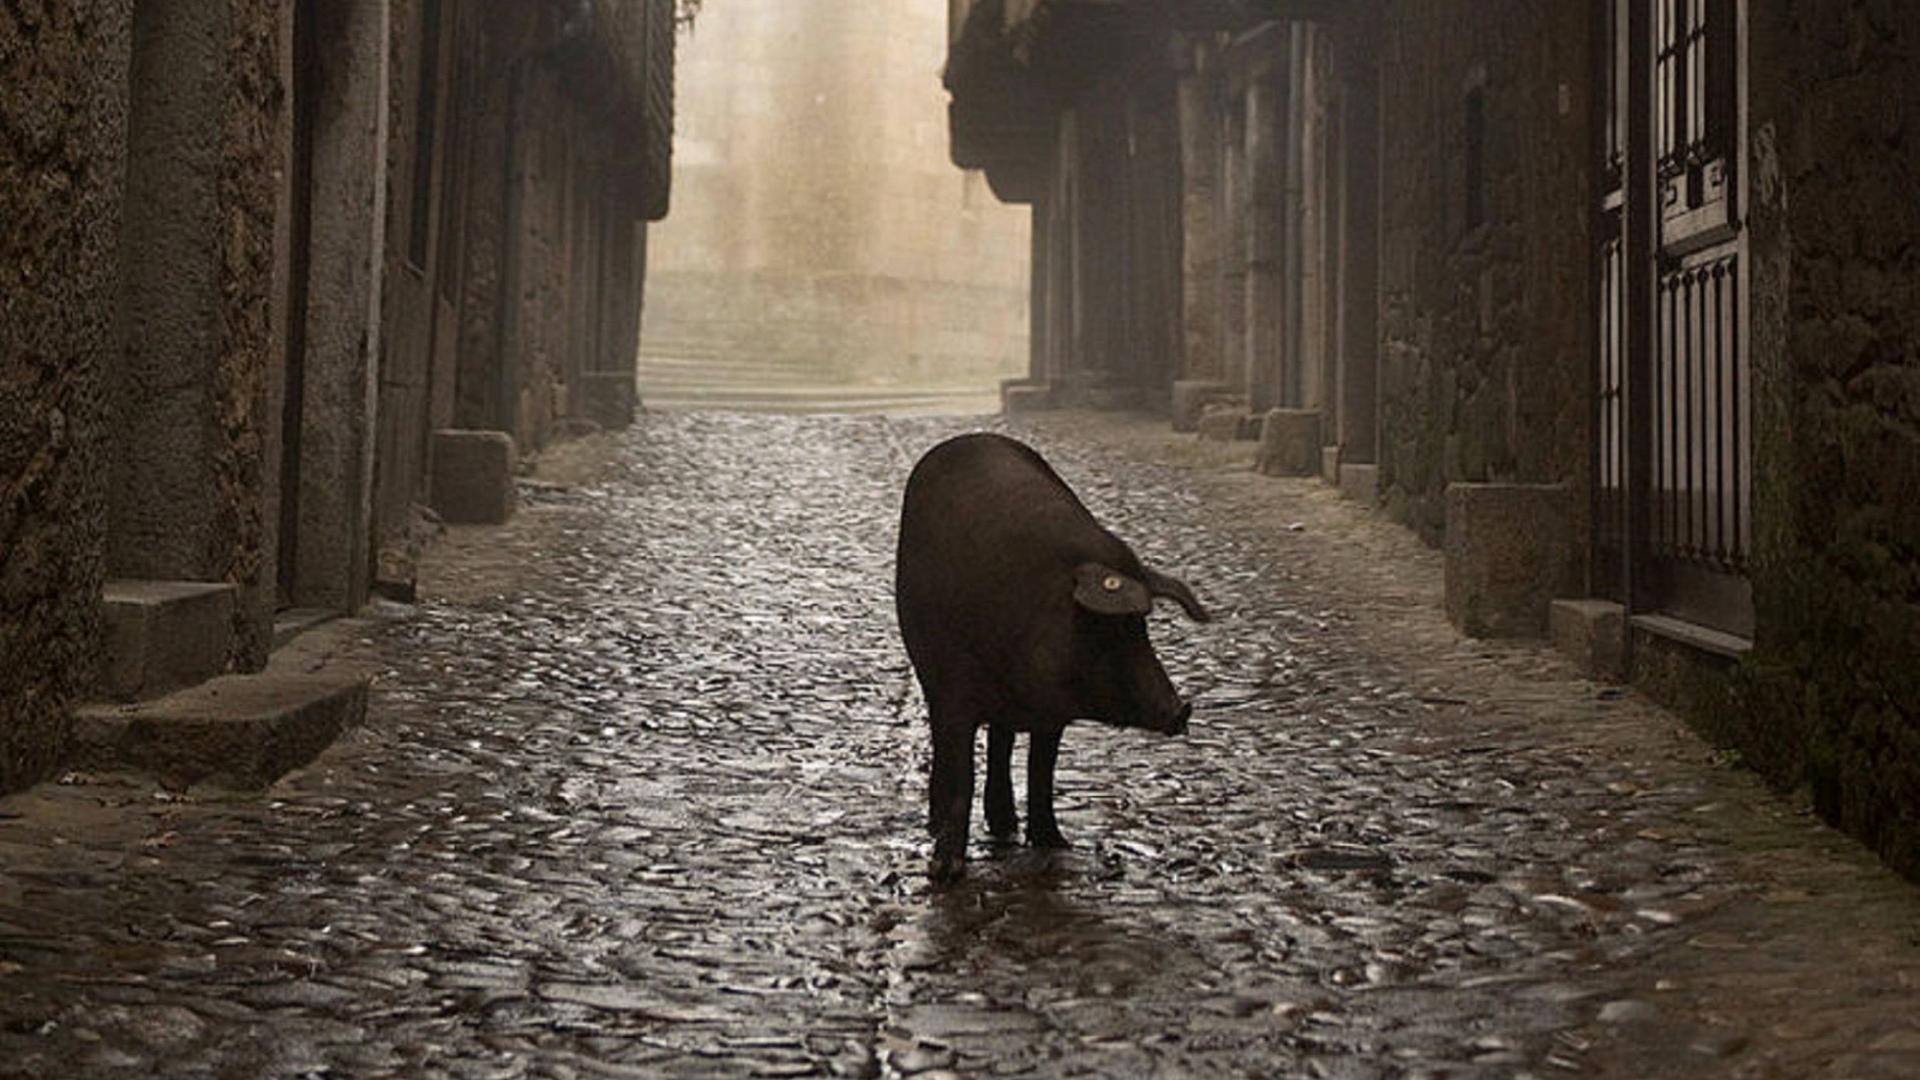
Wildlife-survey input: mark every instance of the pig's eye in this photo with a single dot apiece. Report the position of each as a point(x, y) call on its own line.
point(1106, 591)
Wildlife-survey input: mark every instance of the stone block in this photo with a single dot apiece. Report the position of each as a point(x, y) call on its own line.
point(609, 398)
point(473, 482)
point(1223, 423)
point(1025, 396)
point(1330, 465)
point(1191, 398)
point(1289, 443)
point(237, 731)
point(1359, 482)
point(162, 635)
point(1509, 553)
point(1116, 398)
point(1593, 634)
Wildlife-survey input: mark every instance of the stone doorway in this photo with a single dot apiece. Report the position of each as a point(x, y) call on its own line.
point(336, 198)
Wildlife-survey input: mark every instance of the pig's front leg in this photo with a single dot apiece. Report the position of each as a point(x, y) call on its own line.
point(1043, 749)
point(1002, 823)
point(950, 795)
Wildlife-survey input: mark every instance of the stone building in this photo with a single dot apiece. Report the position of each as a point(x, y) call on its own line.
point(820, 233)
point(255, 253)
point(1614, 301)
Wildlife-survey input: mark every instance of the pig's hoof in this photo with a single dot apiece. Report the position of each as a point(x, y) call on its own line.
point(1045, 836)
point(1003, 830)
point(946, 869)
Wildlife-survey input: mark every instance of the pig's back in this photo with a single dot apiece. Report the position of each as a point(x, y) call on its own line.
point(989, 537)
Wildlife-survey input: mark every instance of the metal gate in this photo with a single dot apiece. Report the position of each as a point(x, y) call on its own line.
point(1673, 466)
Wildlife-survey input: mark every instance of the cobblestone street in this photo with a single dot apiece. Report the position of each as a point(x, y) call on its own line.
point(642, 793)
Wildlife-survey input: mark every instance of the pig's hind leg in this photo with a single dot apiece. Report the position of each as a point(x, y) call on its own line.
point(1002, 823)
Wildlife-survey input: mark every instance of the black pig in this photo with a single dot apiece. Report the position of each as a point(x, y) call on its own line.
point(1020, 613)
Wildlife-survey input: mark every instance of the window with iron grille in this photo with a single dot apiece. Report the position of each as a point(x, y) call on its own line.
point(1695, 129)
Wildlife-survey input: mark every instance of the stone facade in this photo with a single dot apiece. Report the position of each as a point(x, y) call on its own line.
point(819, 230)
point(1485, 302)
point(1830, 695)
point(62, 155)
point(1684, 342)
point(253, 250)
point(517, 292)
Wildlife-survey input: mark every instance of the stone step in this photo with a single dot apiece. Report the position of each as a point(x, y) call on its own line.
point(237, 731)
point(654, 361)
point(733, 376)
point(826, 400)
point(292, 622)
point(162, 635)
point(717, 362)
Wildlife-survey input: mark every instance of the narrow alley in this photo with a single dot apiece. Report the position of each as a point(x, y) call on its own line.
point(641, 793)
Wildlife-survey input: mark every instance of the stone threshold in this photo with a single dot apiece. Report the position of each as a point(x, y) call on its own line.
point(239, 732)
point(236, 731)
point(1693, 635)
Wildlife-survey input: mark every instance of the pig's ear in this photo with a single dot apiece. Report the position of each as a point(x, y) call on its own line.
point(1174, 589)
point(1106, 591)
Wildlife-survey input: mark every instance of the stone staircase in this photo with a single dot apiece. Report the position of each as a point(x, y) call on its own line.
point(683, 376)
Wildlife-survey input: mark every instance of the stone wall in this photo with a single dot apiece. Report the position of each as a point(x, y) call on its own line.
point(62, 157)
point(252, 171)
point(1485, 324)
point(1830, 696)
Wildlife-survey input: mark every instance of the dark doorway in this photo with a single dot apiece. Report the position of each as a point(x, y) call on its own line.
point(306, 92)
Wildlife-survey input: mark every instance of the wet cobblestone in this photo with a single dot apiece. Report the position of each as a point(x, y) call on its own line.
point(642, 794)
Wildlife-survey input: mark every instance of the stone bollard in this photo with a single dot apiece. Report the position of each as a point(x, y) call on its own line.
point(1593, 633)
point(1191, 398)
point(1289, 443)
point(1509, 553)
point(473, 477)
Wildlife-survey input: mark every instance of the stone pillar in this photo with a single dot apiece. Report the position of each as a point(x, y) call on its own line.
point(1039, 295)
point(346, 250)
point(1064, 254)
point(1100, 240)
point(1357, 423)
point(1034, 391)
point(1201, 163)
point(1266, 286)
point(1149, 359)
point(167, 506)
point(1234, 208)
